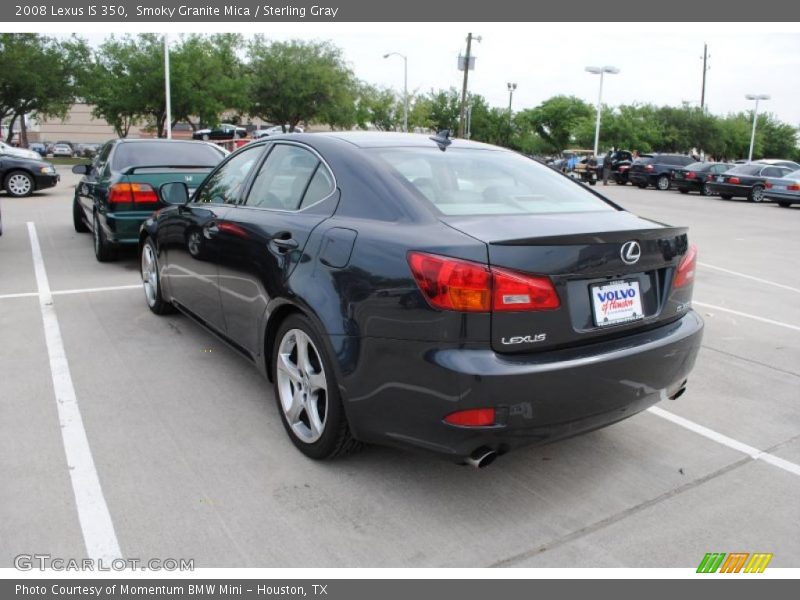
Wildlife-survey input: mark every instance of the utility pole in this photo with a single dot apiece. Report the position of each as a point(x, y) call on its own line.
point(461, 119)
point(705, 69)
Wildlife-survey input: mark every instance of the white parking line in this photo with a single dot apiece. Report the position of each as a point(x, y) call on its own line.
point(95, 520)
point(112, 288)
point(746, 276)
point(747, 315)
point(753, 453)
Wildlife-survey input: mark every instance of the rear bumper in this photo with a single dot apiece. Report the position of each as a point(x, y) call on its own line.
point(637, 178)
point(123, 227)
point(412, 386)
point(793, 198)
point(730, 189)
point(692, 185)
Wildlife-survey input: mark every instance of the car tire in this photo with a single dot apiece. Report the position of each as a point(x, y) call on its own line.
point(683, 191)
point(151, 279)
point(77, 217)
point(19, 184)
point(104, 251)
point(662, 183)
point(784, 204)
point(725, 196)
point(704, 190)
point(641, 186)
point(307, 393)
point(756, 194)
point(205, 137)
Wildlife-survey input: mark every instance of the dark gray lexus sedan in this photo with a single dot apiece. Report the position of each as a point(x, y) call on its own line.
point(426, 292)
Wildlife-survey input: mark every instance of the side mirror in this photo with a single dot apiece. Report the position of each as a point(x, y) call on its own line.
point(82, 169)
point(175, 193)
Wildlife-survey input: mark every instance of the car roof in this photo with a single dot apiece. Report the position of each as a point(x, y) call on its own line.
point(385, 139)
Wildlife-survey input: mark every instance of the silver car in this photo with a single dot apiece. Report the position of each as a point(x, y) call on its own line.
point(784, 190)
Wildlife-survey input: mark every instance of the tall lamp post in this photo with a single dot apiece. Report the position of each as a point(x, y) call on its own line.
point(755, 97)
point(511, 88)
point(167, 93)
point(600, 71)
point(405, 86)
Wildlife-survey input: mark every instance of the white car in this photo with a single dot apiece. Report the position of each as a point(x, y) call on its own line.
point(260, 133)
point(20, 152)
point(62, 150)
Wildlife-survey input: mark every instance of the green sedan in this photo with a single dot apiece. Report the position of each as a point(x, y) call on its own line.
point(119, 189)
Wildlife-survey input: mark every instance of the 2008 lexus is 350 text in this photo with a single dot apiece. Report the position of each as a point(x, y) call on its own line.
point(426, 292)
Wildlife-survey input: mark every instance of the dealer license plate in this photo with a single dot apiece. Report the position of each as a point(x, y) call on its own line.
point(616, 302)
point(720, 178)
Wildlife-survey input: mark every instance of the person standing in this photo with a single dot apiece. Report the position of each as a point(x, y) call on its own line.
point(606, 167)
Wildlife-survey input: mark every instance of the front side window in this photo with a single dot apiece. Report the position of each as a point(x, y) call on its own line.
point(290, 179)
point(225, 185)
point(487, 182)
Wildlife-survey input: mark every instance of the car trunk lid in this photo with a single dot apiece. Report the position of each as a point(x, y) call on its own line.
point(582, 254)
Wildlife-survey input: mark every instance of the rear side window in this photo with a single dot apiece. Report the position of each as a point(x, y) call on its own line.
point(774, 172)
point(486, 182)
point(747, 169)
point(161, 154)
point(291, 178)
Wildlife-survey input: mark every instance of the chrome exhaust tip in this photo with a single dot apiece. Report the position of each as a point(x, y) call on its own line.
point(482, 457)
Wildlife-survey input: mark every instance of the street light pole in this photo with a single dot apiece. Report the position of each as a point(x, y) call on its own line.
point(600, 71)
point(755, 97)
point(405, 86)
point(167, 94)
point(511, 88)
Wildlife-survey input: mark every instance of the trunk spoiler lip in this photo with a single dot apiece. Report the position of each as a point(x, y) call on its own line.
point(132, 169)
point(595, 237)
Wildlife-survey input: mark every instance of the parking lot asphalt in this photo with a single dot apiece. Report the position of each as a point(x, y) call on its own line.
point(193, 462)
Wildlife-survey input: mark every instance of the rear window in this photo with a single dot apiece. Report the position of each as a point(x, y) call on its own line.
point(158, 154)
point(487, 182)
point(698, 166)
point(747, 169)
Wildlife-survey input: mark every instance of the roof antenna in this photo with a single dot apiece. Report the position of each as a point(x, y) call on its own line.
point(442, 139)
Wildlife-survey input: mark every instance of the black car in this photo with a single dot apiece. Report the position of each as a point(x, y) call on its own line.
point(226, 131)
point(440, 294)
point(656, 169)
point(119, 188)
point(746, 181)
point(23, 176)
point(696, 176)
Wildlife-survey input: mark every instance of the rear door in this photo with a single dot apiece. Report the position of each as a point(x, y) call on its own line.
point(86, 189)
point(263, 239)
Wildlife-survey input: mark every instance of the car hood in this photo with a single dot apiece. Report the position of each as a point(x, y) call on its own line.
point(22, 153)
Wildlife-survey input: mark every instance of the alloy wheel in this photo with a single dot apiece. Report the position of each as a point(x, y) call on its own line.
point(19, 184)
point(757, 194)
point(149, 275)
point(302, 386)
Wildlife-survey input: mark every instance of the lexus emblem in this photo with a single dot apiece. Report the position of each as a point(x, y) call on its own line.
point(630, 252)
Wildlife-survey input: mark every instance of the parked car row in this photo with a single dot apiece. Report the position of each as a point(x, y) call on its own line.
point(757, 181)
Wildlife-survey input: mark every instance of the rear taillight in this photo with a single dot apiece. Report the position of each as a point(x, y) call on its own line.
point(685, 273)
point(648, 168)
point(515, 292)
point(691, 175)
point(734, 180)
point(454, 284)
point(768, 185)
point(473, 417)
point(139, 193)
point(793, 188)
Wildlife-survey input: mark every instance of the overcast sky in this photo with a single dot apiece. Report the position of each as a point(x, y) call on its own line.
point(659, 63)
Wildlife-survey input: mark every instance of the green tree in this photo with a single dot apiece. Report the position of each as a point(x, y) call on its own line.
point(556, 120)
point(296, 81)
point(379, 108)
point(37, 77)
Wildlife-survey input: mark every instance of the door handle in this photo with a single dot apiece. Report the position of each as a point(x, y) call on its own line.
point(211, 230)
point(283, 242)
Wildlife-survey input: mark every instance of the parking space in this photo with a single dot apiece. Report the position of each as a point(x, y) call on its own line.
point(190, 453)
